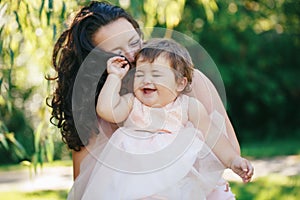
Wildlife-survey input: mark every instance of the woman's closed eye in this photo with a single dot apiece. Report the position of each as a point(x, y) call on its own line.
point(118, 52)
point(135, 43)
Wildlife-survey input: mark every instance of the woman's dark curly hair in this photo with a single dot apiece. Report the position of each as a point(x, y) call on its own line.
point(70, 50)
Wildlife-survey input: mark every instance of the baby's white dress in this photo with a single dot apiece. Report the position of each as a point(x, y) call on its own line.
point(161, 157)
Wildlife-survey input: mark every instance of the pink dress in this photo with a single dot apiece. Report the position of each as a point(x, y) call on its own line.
point(161, 157)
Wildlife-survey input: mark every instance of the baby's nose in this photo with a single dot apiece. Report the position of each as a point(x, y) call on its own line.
point(147, 79)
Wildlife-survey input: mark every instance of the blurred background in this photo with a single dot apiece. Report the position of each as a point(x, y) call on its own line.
point(255, 44)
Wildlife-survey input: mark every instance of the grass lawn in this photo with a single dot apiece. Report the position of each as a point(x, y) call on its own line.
point(271, 187)
point(39, 195)
point(48, 164)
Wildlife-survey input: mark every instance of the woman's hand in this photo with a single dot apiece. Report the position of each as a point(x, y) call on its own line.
point(115, 65)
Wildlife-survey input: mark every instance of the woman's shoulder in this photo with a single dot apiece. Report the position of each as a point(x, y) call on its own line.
point(204, 90)
point(200, 80)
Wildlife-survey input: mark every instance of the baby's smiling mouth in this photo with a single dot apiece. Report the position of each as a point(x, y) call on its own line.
point(148, 90)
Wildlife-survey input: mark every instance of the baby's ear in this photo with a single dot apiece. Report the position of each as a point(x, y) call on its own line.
point(181, 84)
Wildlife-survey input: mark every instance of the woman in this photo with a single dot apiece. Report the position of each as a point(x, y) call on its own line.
point(93, 26)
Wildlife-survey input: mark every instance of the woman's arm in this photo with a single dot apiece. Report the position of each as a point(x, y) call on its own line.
point(77, 157)
point(213, 135)
point(217, 141)
point(204, 90)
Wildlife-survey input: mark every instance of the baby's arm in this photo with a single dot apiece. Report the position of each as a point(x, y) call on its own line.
point(218, 142)
point(110, 105)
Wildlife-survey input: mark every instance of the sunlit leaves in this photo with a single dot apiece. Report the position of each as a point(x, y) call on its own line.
point(3, 132)
point(28, 30)
point(167, 12)
point(210, 6)
point(17, 147)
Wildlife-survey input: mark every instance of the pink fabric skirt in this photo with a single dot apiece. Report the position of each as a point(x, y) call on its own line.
point(139, 165)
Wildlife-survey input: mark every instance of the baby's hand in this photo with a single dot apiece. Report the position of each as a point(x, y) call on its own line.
point(115, 66)
point(243, 168)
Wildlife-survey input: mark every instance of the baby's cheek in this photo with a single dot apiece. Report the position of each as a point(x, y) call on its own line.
point(135, 87)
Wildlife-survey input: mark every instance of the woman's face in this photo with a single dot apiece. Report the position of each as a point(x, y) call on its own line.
point(118, 37)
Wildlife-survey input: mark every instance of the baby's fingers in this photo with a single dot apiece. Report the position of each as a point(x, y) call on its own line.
point(248, 169)
point(127, 66)
point(115, 66)
point(117, 61)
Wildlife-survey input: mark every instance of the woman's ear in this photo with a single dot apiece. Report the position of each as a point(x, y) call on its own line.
point(181, 84)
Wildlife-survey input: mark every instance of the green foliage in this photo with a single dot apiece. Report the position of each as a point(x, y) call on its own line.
point(256, 47)
point(27, 30)
point(15, 140)
point(268, 149)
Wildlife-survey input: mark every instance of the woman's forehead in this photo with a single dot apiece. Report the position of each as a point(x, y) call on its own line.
point(114, 35)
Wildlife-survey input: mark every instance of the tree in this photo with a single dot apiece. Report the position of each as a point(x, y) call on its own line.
point(27, 30)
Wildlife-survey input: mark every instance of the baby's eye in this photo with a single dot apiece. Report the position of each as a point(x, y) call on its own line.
point(139, 75)
point(156, 75)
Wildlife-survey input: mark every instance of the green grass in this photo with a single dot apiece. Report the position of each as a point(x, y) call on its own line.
point(268, 149)
point(271, 187)
point(12, 167)
point(39, 195)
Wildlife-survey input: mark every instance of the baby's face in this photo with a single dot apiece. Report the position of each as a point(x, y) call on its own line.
point(154, 83)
